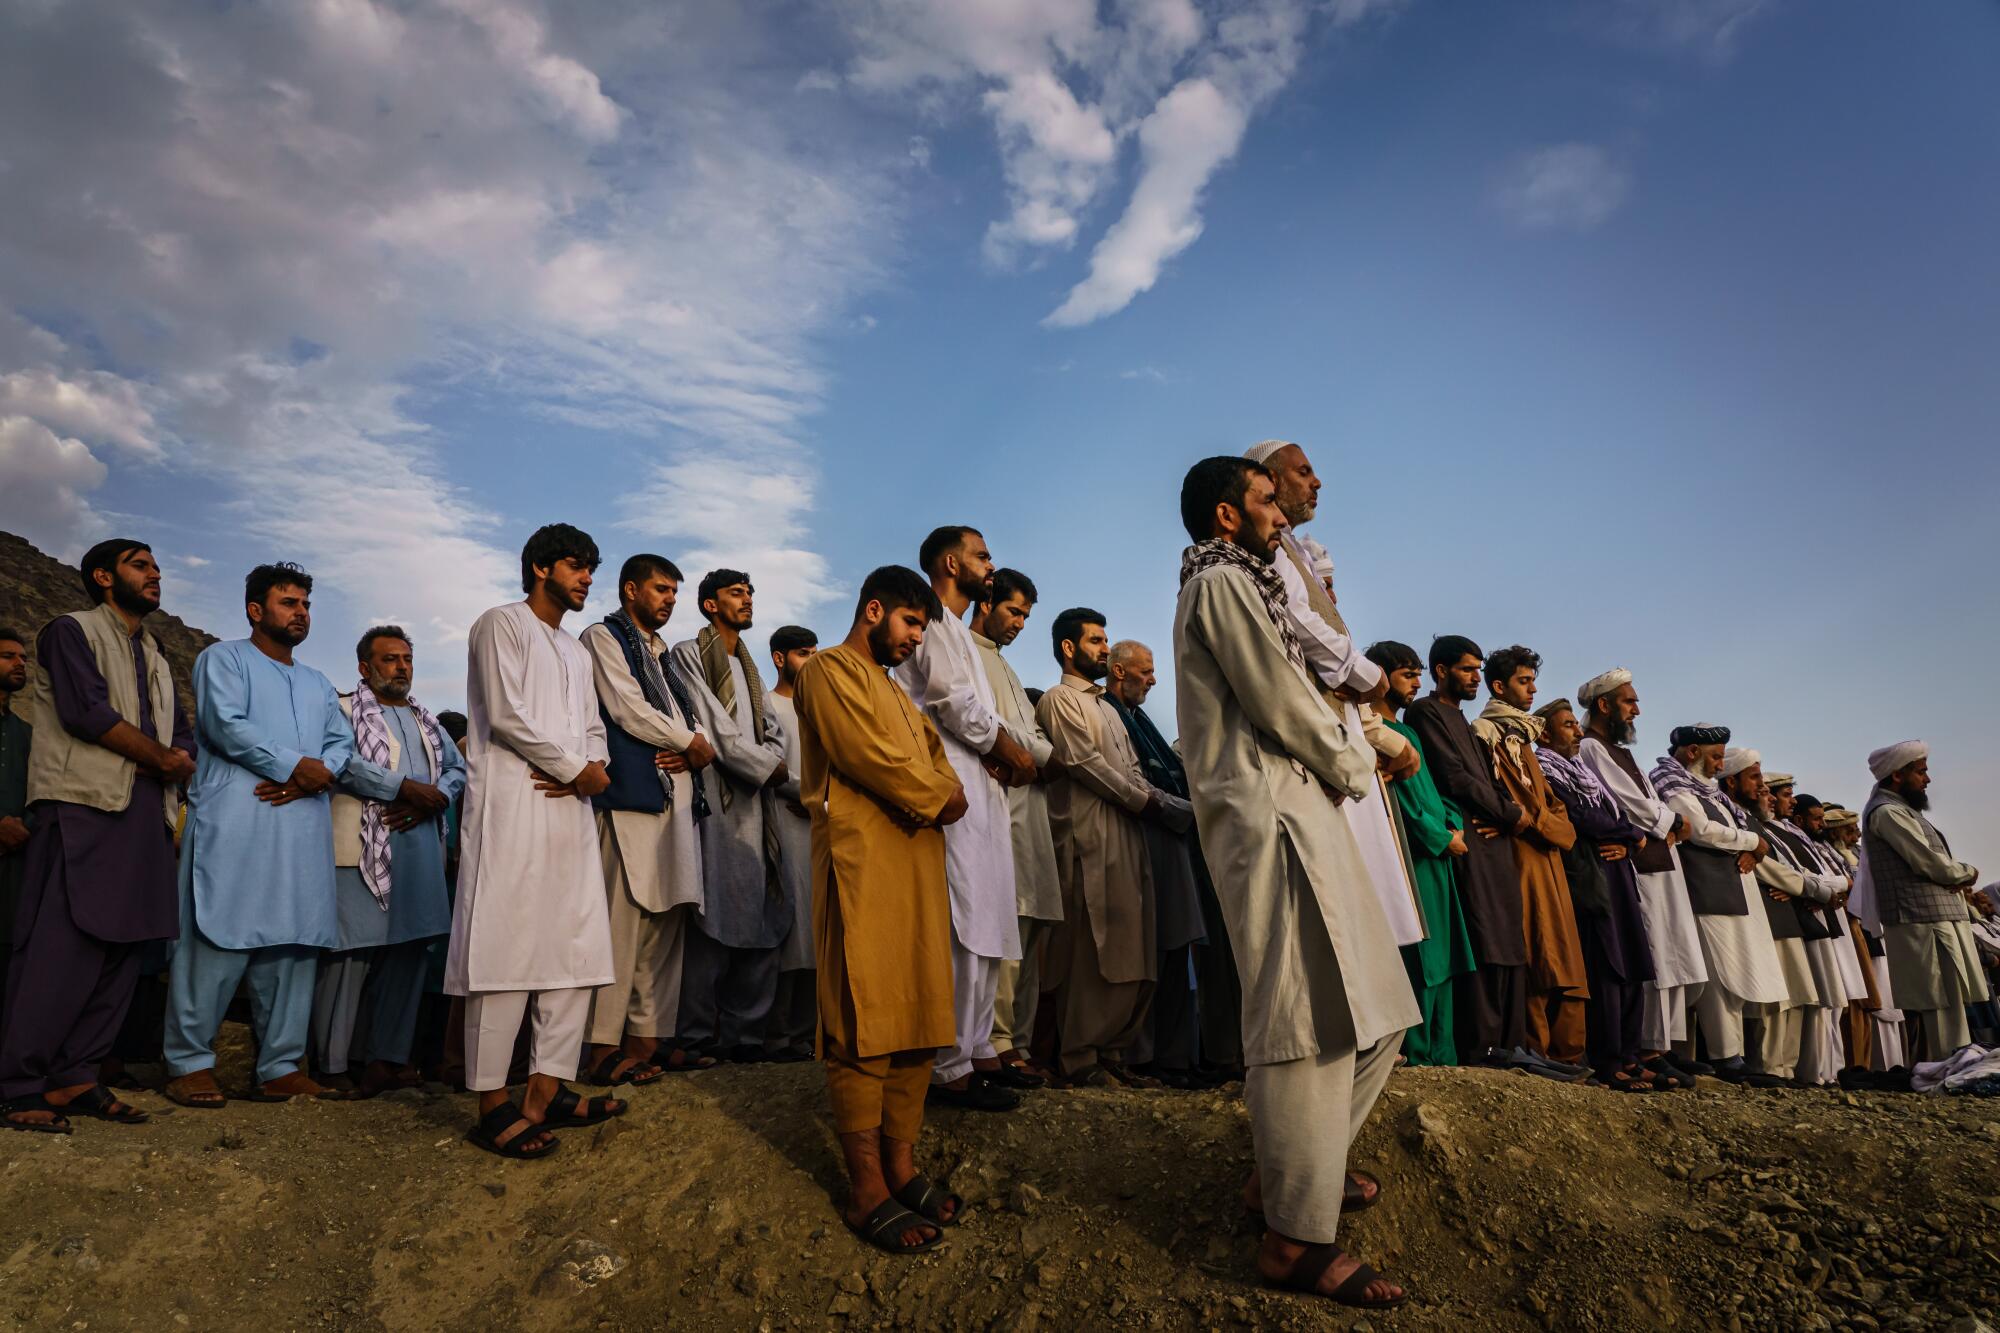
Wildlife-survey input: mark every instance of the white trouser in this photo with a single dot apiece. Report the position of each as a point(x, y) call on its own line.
point(493, 1022)
point(1304, 1115)
point(1663, 1022)
point(975, 982)
point(1721, 1017)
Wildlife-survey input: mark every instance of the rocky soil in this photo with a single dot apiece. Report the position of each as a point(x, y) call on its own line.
point(1510, 1203)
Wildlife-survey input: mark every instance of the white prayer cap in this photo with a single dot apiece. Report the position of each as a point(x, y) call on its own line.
point(1260, 452)
point(1735, 760)
point(1894, 758)
point(1598, 686)
point(1780, 780)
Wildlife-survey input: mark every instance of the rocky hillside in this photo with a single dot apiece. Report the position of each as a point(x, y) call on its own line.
point(35, 588)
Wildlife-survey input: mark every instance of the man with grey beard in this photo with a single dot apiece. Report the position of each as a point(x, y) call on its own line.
point(389, 880)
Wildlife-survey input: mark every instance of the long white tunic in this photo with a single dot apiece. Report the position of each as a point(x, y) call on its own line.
point(946, 679)
point(530, 913)
point(794, 842)
point(1671, 932)
point(660, 854)
point(1742, 956)
point(1337, 662)
point(1037, 884)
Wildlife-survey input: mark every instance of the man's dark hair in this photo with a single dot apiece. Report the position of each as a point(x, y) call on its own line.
point(1446, 649)
point(106, 555)
point(1393, 656)
point(639, 568)
point(941, 541)
point(1069, 625)
point(367, 644)
point(9, 634)
point(898, 586)
point(715, 581)
point(258, 584)
point(1800, 800)
point(1034, 694)
point(1500, 667)
point(454, 725)
point(1007, 582)
point(1224, 479)
point(791, 638)
point(554, 542)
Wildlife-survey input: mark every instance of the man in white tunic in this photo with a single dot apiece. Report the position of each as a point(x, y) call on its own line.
point(1611, 709)
point(1917, 893)
point(946, 679)
point(729, 975)
point(1325, 995)
point(1352, 684)
point(997, 621)
point(1719, 860)
point(1829, 948)
point(648, 831)
point(529, 927)
point(789, 1035)
point(1779, 1028)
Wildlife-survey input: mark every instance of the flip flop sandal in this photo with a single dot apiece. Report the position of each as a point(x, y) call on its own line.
point(486, 1134)
point(639, 1075)
point(927, 1200)
point(569, 1111)
point(1312, 1265)
point(884, 1229)
point(99, 1104)
point(1090, 1076)
point(33, 1102)
point(198, 1097)
point(681, 1060)
point(1013, 1076)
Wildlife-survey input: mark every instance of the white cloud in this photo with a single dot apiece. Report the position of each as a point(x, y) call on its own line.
point(49, 479)
point(1710, 30)
point(93, 404)
point(1570, 186)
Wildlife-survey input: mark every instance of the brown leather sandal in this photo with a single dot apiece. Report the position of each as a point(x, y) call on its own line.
point(198, 1091)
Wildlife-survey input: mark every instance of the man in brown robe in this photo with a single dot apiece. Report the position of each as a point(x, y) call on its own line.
point(1105, 950)
point(1557, 986)
point(880, 791)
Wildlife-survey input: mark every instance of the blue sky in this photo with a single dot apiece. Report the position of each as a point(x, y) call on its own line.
point(1647, 332)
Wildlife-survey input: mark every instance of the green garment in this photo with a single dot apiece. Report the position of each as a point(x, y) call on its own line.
point(1428, 823)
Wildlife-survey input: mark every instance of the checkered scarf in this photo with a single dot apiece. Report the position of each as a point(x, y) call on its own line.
point(371, 742)
point(1270, 586)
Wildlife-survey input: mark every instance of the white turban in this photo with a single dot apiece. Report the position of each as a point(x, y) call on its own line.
point(1894, 758)
point(1735, 760)
point(1598, 686)
point(1260, 452)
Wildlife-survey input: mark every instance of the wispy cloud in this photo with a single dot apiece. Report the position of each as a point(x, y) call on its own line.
point(1709, 30)
point(1569, 186)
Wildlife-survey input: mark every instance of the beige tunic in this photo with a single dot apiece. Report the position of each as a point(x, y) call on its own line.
point(1100, 844)
point(1263, 753)
point(660, 854)
point(1037, 888)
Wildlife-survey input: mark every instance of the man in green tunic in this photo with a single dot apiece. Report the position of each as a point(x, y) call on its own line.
point(14, 737)
point(1436, 835)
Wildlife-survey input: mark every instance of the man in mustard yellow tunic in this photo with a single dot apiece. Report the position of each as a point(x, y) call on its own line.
point(880, 791)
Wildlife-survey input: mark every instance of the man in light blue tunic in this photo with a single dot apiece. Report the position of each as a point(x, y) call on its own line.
point(389, 875)
point(256, 874)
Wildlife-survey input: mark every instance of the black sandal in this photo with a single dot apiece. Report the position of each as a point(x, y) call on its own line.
point(486, 1134)
point(569, 1111)
point(34, 1101)
point(681, 1060)
point(639, 1075)
point(884, 1229)
point(99, 1104)
point(927, 1200)
point(1311, 1266)
point(1354, 1195)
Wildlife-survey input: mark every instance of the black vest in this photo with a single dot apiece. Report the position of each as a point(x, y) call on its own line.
point(1715, 885)
point(1656, 857)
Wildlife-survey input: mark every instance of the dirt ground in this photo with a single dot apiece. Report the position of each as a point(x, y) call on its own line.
point(1510, 1203)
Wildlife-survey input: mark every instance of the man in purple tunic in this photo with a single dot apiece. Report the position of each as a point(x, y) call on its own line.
point(111, 745)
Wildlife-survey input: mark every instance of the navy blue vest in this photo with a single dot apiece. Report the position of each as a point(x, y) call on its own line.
point(635, 778)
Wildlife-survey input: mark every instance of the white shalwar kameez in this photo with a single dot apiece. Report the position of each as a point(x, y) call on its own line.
point(1679, 972)
point(530, 921)
point(1743, 964)
point(946, 679)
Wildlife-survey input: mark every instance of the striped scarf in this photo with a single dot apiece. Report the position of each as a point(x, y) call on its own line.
point(371, 742)
point(1270, 586)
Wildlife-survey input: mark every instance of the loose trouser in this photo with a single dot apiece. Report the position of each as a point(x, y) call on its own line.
point(1304, 1115)
point(975, 985)
point(1888, 1046)
point(726, 993)
point(1721, 1016)
point(203, 979)
point(1431, 1042)
point(493, 1024)
point(884, 1092)
point(1219, 986)
point(648, 954)
point(1171, 1037)
point(1663, 1015)
point(1859, 1030)
point(1492, 1009)
point(1099, 1019)
point(1779, 1032)
point(373, 995)
point(1821, 1051)
point(67, 992)
point(1556, 1024)
point(795, 1012)
point(1017, 992)
point(1942, 1031)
